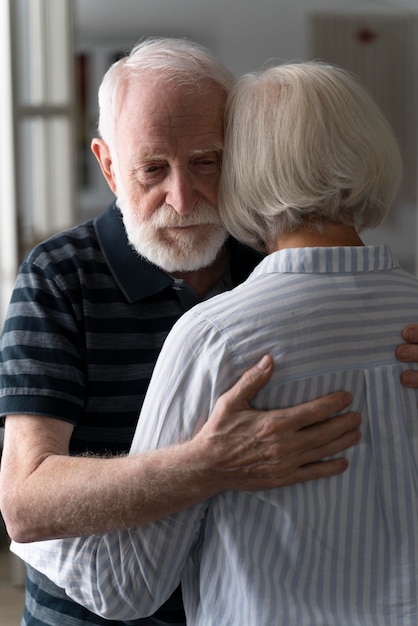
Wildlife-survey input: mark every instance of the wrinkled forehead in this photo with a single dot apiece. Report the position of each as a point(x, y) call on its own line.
point(190, 85)
point(156, 101)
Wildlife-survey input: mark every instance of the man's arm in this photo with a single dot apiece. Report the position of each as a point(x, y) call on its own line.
point(127, 574)
point(408, 353)
point(44, 493)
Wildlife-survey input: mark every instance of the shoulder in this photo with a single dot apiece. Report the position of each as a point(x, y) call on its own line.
point(208, 326)
point(69, 264)
point(79, 242)
point(67, 260)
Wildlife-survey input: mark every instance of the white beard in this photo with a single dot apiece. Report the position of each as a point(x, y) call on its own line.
point(158, 240)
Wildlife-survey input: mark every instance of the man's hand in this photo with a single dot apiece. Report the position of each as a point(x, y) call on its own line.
point(408, 353)
point(266, 449)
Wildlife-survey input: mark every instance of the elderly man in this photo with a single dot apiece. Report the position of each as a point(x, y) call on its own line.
point(89, 315)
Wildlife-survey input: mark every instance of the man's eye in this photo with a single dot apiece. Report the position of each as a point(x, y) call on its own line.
point(152, 172)
point(208, 166)
point(151, 169)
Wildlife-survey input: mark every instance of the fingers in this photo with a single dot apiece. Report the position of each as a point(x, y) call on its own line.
point(300, 461)
point(299, 447)
point(312, 412)
point(410, 379)
point(322, 408)
point(254, 379)
point(254, 449)
point(410, 333)
point(408, 353)
point(330, 438)
point(250, 383)
point(322, 469)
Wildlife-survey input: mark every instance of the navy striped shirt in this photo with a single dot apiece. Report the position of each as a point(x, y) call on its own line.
point(85, 325)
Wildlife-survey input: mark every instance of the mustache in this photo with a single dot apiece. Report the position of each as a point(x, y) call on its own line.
point(166, 217)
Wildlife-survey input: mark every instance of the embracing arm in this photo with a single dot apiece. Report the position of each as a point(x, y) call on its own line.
point(44, 493)
point(128, 574)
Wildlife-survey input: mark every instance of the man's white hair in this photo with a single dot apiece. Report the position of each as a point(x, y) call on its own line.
point(180, 61)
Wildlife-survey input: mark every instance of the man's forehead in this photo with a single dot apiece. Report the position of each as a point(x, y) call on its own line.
point(147, 154)
point(165, 99)
point(154, 122)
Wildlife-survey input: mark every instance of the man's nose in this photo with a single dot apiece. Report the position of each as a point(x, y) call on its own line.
point(181, 193)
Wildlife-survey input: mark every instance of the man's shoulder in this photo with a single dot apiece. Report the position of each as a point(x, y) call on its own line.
point(78, 243)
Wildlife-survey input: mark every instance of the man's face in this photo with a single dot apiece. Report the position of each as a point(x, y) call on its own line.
point(165, 172)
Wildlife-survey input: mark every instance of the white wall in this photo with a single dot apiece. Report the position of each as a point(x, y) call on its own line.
point(243, 34)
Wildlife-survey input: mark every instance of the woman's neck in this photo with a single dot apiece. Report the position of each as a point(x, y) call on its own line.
point(309, 237)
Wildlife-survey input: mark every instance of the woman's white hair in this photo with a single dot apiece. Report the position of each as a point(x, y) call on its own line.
point(180, 61)
point(304, 141)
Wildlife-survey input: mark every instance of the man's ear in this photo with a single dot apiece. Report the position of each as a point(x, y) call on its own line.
point(101, 151)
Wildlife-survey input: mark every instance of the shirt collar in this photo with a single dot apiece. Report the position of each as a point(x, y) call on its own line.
point(135, 276)
point(320, 260)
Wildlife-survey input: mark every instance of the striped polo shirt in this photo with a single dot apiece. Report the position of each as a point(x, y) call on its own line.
point(85, 325)
point(337, 551)
point(84, 328)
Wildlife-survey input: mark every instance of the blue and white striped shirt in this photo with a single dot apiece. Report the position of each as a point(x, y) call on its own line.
point(338, 551)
